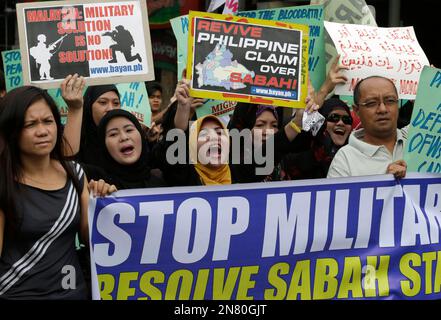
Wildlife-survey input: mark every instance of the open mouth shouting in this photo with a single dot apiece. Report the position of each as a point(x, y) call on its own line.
point(127, 150)
point(339, 134)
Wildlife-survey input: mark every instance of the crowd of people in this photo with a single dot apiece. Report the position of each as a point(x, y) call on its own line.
point(48, 170)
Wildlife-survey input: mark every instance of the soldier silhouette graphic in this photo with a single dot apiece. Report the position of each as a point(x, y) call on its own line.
point(42, 55)
point(124, 42)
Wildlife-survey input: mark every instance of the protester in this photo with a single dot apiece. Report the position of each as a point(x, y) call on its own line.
point(125, 154)
point(72, 92)
point(378, 147)
point(266, 122)
point(154, 131)
point(313, 154)
point(154, 91)
point(43, 201)
point(334, 77)
point(98, 100)
point(264, 117)
point(262, 121)
point(208, 145)
point(207, 133)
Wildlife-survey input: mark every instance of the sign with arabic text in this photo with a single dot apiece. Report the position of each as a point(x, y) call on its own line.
point(390, 52)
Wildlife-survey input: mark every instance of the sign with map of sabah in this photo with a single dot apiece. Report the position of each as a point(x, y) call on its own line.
point(247, 60)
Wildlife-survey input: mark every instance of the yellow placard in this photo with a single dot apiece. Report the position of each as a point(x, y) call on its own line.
point(247, 60)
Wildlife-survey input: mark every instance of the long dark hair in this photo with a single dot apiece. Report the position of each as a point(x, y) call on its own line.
point(12, 115)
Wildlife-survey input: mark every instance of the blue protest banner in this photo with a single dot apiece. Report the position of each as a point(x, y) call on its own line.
point(350, 238)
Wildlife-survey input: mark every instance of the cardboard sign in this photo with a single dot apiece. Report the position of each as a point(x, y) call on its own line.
point(134, 98)
point(312, 16)
point(13, 69)
point(390, 52)
point(247, 60)
point(343, 11)
point(103, 41)
point(216, 107)
point(423, 148)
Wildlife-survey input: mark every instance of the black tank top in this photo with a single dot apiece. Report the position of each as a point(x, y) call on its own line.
point(41, 262)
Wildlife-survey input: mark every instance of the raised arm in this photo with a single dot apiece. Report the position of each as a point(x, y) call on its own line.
point(294, 127)
point(184, 105)
point(334, 77)
point(72, 92)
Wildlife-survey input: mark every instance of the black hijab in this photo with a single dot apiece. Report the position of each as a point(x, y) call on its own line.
point(136, 175)
point(245, 114)
point(323, 138)
point(89, 134)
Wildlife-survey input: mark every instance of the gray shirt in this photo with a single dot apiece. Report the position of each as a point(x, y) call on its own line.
point(359, 158)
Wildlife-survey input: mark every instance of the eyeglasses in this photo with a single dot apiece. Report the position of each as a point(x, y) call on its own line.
point(388, 102)
point(334, 117)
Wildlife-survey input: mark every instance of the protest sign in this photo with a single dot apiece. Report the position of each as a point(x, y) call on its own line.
point(103, 41)
point(390, 52)
point(247, 60)
point(349, 238)
point(134, 98)
point(13, 71)
point(215, 107)
point(423, 147)
point(133, 95)
point(311, 16)
point(180, 30)
point(343, 11)
point(230, 6)
point(14, 79)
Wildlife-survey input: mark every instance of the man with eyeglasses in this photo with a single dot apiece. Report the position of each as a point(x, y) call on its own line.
point(378, 147)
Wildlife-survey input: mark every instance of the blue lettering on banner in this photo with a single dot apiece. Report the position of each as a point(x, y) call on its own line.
point(350, 238)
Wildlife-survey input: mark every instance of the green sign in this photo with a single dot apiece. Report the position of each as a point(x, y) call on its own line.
point(423, 148)
point(218, 108)
point(311, 16)
point(12, 67)
point(134, 98)
point(180, 29)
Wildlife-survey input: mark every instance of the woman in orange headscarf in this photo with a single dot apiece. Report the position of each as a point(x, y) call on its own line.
point(208, 145)
point(209, 150)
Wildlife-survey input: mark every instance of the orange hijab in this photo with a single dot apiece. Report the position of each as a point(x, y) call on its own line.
point(208, 176)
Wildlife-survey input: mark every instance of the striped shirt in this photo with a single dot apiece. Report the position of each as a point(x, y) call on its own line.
point(40, 262)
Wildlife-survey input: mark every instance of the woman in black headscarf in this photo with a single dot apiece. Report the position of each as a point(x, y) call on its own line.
point(98, 100)
point(312, 156)
point(264, 122)
point(124, 153)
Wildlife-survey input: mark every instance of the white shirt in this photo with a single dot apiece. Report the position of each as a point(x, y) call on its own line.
point(359, 158)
